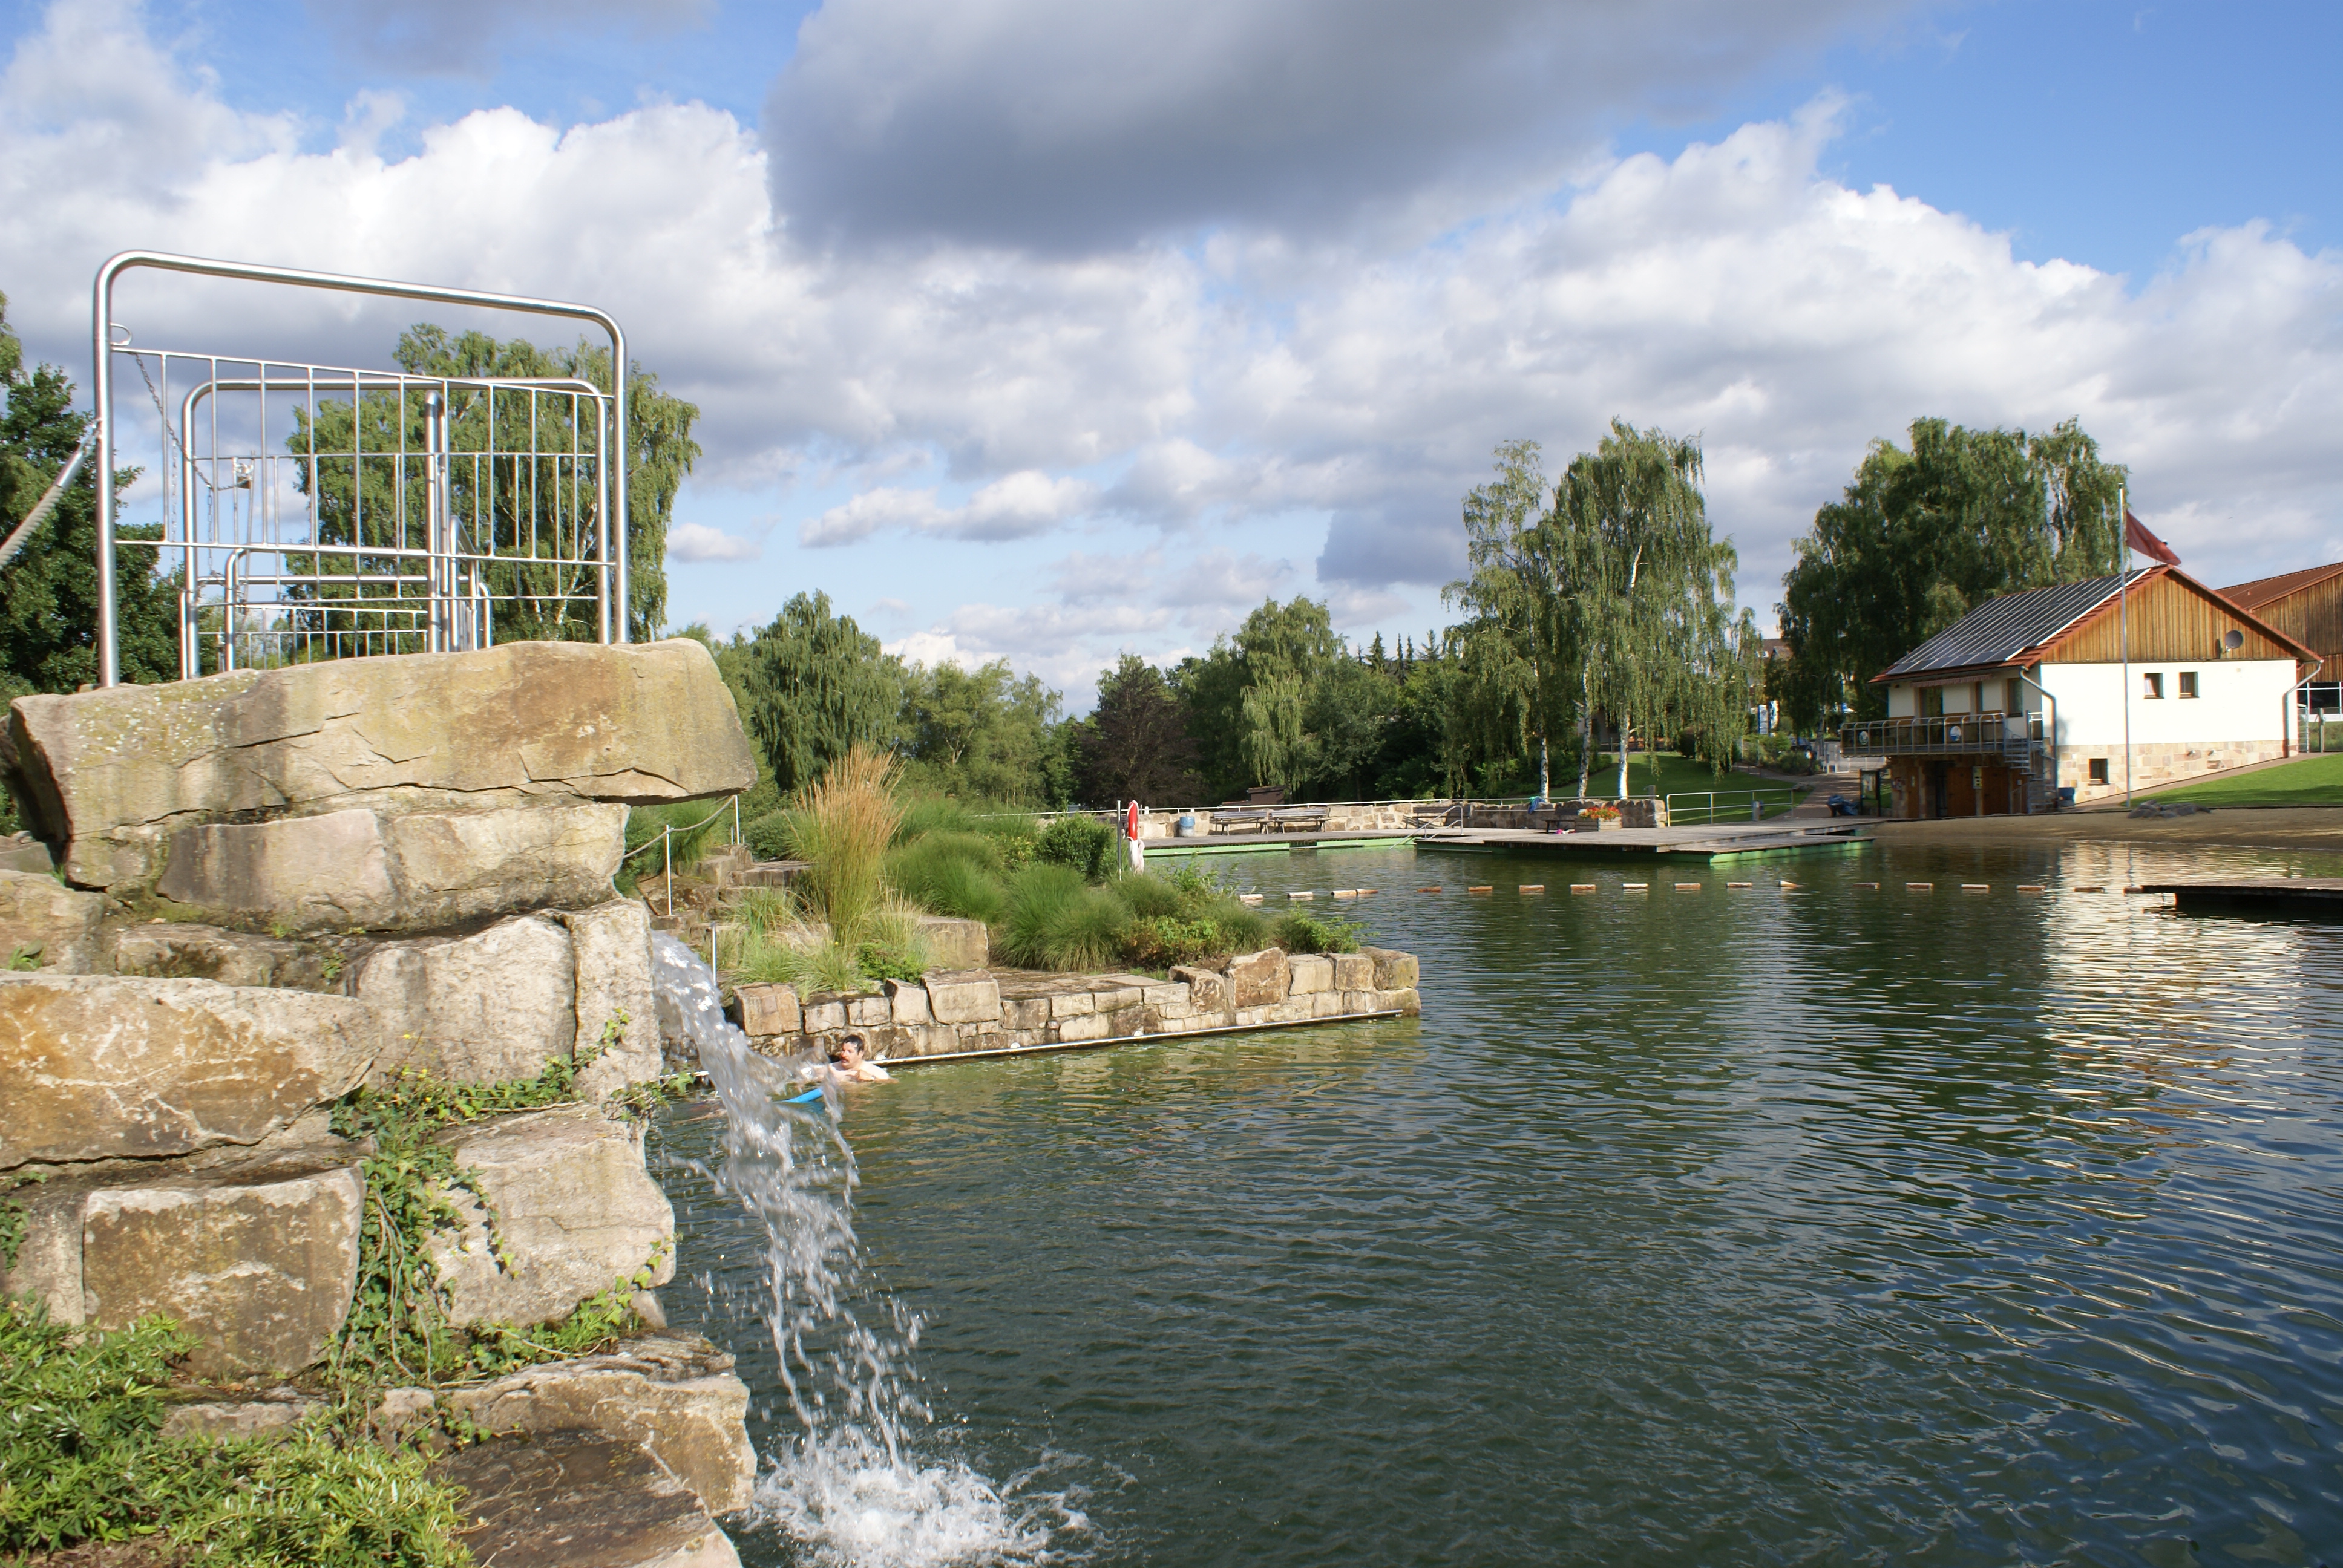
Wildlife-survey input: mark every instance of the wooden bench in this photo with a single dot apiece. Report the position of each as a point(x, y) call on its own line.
point(1240, 820)
point(1296, 819)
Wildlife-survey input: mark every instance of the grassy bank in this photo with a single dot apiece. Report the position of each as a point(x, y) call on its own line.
point(2306, 781)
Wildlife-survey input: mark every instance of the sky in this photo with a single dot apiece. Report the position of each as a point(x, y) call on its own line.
point(1050, 330)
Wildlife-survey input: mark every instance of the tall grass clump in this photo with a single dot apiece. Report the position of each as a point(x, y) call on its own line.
point(952, 872)
point(1058, 920)
point(841, 824)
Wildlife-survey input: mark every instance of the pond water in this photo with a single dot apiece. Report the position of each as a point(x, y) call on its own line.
point(1743, 1226)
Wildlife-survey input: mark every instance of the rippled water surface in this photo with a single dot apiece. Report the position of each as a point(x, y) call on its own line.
point(1752, 1225)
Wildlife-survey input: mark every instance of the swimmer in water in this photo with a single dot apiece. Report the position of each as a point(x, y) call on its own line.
point(853, 1067)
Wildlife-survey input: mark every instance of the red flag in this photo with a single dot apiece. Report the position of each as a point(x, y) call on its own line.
point(2137, 538)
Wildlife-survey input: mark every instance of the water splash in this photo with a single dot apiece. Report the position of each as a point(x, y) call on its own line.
point(851, 1485)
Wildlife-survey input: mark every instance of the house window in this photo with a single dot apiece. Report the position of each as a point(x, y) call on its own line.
point(2098, 769)
point(2151, 685)
point(1976, 697)
point(1932, 702)
point(2013, 696)
point(2188, 683)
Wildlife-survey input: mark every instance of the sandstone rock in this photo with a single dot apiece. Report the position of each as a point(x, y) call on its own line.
point(1353, 971)
point(674, 1394)
point(1072, 1004)
point(868, 1012)
point(611, 943)
point(106, 771)
point(54, 925)
point(275, 1410)
point(767, 1009)
point(575, 1213)
point(956, 944)
point(22, 851)
point(101, 1066)
point(580, 1500)
point(48, 1250)
point(400, 1410)
point(1404, 1001)
point(1394, 970)
point(484, 1009)
point(1309, 974)
point(964, 996)
point(824, 1013)
point(174, 950)
point(1257, 980)
point(257, 1263)
point(1207, 991)
point(360, 868)
point(907, 1004)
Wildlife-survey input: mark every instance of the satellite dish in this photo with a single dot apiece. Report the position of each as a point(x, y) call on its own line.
point(2233, 639)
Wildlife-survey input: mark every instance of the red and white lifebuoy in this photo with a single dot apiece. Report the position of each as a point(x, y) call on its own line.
point(1131, 820)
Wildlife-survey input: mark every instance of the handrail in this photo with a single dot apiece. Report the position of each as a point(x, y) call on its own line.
point(103, 349)
point(666, 840)
point(23, 532)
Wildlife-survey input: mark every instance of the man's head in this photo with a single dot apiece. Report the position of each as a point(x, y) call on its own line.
point(849, 1054)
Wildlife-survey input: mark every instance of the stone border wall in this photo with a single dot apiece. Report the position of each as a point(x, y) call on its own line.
point(972, 1012)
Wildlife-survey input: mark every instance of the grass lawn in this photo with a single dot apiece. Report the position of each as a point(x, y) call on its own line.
point(2309, 781)
point(1667, 773)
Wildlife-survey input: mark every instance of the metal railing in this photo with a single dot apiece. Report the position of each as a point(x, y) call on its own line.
point(666, 844)
point(1960, 734)
point(1707, 807)
point(320, 511)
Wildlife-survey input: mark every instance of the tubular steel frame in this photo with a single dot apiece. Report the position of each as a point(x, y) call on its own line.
point(452, 611)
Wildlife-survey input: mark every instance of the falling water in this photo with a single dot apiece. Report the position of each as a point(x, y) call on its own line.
point(851, 1485)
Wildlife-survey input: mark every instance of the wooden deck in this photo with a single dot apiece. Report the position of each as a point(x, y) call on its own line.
point(1716, 841)
point(2316, 898)
point(1245, 843)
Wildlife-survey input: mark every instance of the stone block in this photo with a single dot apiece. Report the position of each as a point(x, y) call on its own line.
point(276, 1410)
point(1118, 998)
point(610, 949)
point(489, 1008)
point(56, 926)
point(257, 1263)
point(106, 772)
point(907, 1002)
point(1257, 980)
point(359, 867)
point(767, 1009)
point(1207, 990)
point(21, 851)
point(1361, 1001)
point(1326, 1004)
point(964, 996)
point(1403, 1000)
point(168, 950)
point(1353, 971)
point(101, 1066)
point(673, 1394)
point(575, 1212)
point(1394, 970)
point(824, 1016)
point(1293, 1010)
point(1072, 1004)
point(1076, 1031)
point(1025, 1012)
point(1309, 973)
point(1164, 995)
point(954, 943)
point(580, 1500)
point(868, 1013)
point(1251, 1016)
point(1168, 1010)
point(1129, 1023)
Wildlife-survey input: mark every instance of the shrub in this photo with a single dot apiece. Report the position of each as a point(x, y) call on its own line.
point(768, 837)
point(1159, 941)
point(842, 824)
point(1303, 932)
point(951, 873)
point(1055, 921)
point(1085, 843)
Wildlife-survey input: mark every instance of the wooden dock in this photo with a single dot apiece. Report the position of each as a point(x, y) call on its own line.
point(1255, 843)
point(1715, 841)
point(2315, 898)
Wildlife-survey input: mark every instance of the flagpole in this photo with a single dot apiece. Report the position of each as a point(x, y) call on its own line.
point(2123, 623)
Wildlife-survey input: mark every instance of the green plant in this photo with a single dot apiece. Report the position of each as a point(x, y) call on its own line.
point(1083, 843)
point(1057, 920)
point(11, 1217)
point(1300, 932)
point(842, 825)
point(821, 963)
point(332, 967)
point(768, 837)
point(952, 872)
point(24, 958)
point(695, 825)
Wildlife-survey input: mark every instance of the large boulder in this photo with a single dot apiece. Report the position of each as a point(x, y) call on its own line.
point(256, 1259)
point(618, 1013)
point(1258, 980)
point(490, 1007)
point(171, 949)
point(361, 868)
point(108, 773)
point(575, 1211)
point(675, 1395)
point(52, 926)
point(102, 1066)
point(580, 1500)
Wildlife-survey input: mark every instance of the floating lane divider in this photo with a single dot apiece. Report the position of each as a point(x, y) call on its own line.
point(1530, 888)
point(2090, 889)
point(1489, 887)
point(1920, 887)
point(1738, 884)
point(1976, 887)
point(1872, 886)
point(2030, 886)
point(1248, 898)
point(1302, 896)
point(1687, 887)
point(1793, 884)
point(1346, 892)
point(1635, 887)
point(1427, 889)
point(1582, 887)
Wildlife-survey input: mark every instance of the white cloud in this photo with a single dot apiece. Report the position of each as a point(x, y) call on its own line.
point(1219, 398)
point(699, 542)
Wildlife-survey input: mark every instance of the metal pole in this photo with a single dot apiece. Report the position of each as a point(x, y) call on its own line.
point(109, 668)
point(2123, 625)
point(667, 854)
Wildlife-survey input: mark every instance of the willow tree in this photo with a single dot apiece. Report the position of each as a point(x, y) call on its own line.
point(1520, 647)
point(1652, 595)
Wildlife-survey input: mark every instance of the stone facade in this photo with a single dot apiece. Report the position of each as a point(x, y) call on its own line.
point(968, 1012)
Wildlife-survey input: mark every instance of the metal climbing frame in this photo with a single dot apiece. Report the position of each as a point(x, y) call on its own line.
point(319, 511)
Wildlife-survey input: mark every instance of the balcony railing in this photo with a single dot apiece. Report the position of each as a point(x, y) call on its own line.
point(1953, 734)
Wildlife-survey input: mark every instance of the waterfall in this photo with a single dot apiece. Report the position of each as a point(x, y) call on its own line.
point(851, 1485)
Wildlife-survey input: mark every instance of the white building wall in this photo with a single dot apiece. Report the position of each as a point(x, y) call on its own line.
point(2238, 701)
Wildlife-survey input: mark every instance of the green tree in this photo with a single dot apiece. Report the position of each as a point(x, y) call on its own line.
point(1135, 745)
point(980, 732)
point(1922, 536)
point(1210, 688)
point(48, 593)
point(814, 684)
point(1520, 648)
point(521, 503)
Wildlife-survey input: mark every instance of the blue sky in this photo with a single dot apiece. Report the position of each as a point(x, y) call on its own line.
point(1043, 330)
